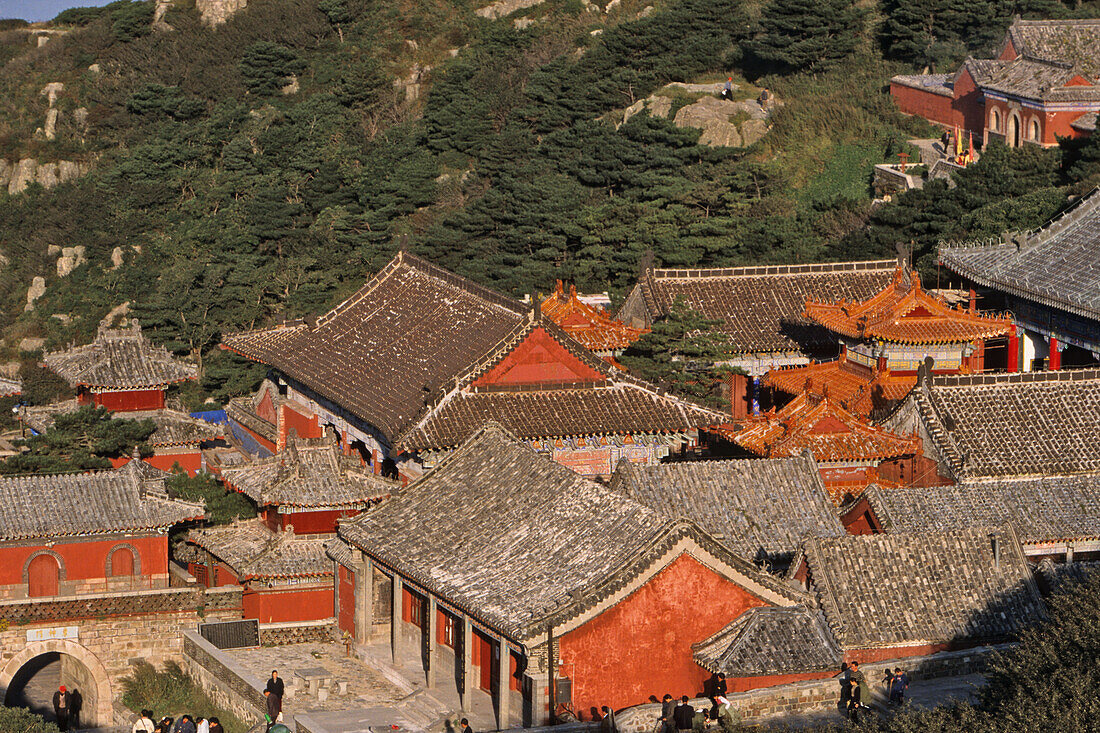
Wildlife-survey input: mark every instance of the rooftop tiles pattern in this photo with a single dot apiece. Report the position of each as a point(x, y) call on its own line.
point(760, 308)
point(119, 359)
point(517, 540)
point(923, 588)
point(128, 499)
point(859, 389)
point(753, 506)
point(252, 550)
point(590, 326)
point(389, 347)
point(10, 387)
point(1025, 77)
point(818, 424)
point(904, 312)
point(1057, 266)
point(1031, 424)
point(310, 473)
point(768, 640)
point(1075, 42)
point(1041, 508)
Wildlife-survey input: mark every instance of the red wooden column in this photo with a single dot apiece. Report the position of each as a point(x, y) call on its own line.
point(1055, 361)
point(1013, 351)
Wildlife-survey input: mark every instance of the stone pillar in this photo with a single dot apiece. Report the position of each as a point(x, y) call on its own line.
point(395, 617)
point(364, 600)
point(431, 628)
point(466, 682)
point(504, 684)
point(1055, 361)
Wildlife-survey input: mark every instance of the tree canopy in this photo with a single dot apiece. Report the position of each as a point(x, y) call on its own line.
point(79, 441)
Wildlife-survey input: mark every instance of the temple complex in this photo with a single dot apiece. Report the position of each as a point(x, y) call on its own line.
point(1049, 279)
point(887, 337)
point(590, 326)
point(415, 362)
point(1043, 85)
point(850, 452)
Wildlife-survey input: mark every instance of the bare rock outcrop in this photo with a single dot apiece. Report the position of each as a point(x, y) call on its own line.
point(35, 291)
point(46, 175)
point(161, 10)
point(5, 173)
point(70, 259)
point(216, 12)
point(31, 344)
point(116, 258)
point(501, 8)
point(27, 171)
point(22, 175)
point(724, 122)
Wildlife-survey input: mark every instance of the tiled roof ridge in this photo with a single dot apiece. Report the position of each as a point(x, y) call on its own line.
point(743, 627)
point(771, 270)
point(76, 374)
point(933, 422)
point(1083, 374)
point(403, 258)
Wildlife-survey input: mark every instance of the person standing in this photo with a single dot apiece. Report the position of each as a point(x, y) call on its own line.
point(607, 720)
point(858, 684)
point(683, 714)
point(186, 724)
point(204, 725)
point(845, 685)
point(466, 726)
point(274, 694)
point(718, 691)
point(900, 685)
point(216, 726)
point(62, 707)
point(145, 723)
point(668, 706)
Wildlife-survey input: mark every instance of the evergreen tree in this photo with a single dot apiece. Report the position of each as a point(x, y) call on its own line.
point(79, 441)
point(680, 352)
point(814, 35)
point(265, 67)
point(222, 504)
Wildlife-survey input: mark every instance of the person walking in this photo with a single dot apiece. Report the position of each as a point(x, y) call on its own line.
point(62, 707)
point(683, 714)
point(274, 694)
point(718, 691)
point(668, 705)
point(858, 683)
point(900, 685)
point(145, 723)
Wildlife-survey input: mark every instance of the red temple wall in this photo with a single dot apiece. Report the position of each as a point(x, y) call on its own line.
point(860, 519)
point(345, 616)
point(87, 560)
point(308, 603)
point(143, 399)
point(304, 426)
point(190, 461)
point(933, 107)
point(870, 656)
point(314, 522)
point(266, 408)
point(744, 684)
point(642, 645)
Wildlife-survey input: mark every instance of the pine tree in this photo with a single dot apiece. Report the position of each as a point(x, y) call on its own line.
point(812, 35)
point(79, 441)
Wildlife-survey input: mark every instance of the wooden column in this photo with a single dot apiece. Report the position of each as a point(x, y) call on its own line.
point(1013, 351)
point(504, 684)
point(395, 617)
point(364, 600)
point(431, 628)
point(466, 683)
point(1055, 362)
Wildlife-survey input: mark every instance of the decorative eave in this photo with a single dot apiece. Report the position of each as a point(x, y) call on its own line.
point(588, 325)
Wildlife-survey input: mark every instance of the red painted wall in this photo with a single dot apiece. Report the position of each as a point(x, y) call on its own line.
point(145, 399)
point(744, 684)
point(865, 656)
point(345, 616)
point(266, 408)
point(305, 426)
point(305, 604)
point(190, 461)
point(642, 645)
point(934, 107)
point(314, 522)
point(86, 560)
point(539, 358)
point(860, 519)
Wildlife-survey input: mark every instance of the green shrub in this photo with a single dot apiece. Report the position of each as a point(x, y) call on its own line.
point(21, 720)
point(172, 692)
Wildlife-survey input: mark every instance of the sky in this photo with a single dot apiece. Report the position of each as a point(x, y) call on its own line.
point(35, 10)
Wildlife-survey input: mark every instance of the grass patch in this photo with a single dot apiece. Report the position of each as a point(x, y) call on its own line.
point(845, 174)
point(172, 692)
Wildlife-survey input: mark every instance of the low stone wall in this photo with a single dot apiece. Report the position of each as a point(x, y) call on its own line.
point(302, 632)
point(214, 603)
point(227, 683)
point(814, 695)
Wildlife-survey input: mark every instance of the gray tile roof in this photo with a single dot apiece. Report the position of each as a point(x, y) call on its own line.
point(1030, 79)
point(131, 498)
point(119, 359)
point(1075, 42)
point(889, 590)
point(309, 473)
point(756, 507)
point(243, 411)
point(252, 550)
point(517, 540)
point(1057, 266)
point(1042, 509)
point(10, 386)
point(760, 308)
point(1027, 424)
point(768, 640)
point(173, 428)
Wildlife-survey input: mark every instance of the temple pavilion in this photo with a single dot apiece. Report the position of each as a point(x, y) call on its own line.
point(589, 325)
point(887, 337)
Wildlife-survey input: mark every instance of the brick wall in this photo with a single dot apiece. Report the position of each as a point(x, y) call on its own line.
point(228, 684)
point(303, 632)
point(818, 695)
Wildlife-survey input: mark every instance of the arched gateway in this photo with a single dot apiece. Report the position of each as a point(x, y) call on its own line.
point(84, 670)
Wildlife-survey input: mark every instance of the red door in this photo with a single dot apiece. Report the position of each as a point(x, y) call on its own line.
point(42, 576)
point(485, 653)
point(122, 562)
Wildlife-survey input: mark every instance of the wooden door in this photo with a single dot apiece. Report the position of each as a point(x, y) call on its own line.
point(43, 576)
point(122, 562)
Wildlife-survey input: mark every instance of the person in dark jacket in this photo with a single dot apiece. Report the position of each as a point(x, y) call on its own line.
point(683, 714)
point(668, 705)
point(274, 694)
point(216, 726)
point(62, 707)
point(607, 720)
point(186, 724)
point(466, 726)
point(718, 691)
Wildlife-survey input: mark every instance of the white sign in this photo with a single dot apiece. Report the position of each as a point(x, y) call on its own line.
point(58, 632)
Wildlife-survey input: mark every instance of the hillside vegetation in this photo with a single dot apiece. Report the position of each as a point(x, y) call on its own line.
point(264, 168)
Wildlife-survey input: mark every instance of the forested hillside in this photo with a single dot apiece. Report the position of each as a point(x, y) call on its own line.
point(262, 169)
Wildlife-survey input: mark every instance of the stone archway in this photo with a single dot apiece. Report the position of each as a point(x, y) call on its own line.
point(98, 710)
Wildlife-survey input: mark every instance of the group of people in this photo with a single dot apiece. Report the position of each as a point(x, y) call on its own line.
point(678, 717)
point(66, 708)
point(184, 724)
point(855, 688)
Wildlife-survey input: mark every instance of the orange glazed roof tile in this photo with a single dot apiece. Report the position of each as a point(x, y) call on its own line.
point(816, 422)
point(857, 388)
point(904, 312)
point(589, 325)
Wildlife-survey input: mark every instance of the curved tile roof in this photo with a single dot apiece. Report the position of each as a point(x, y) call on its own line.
point(859, 389)
point(767, 640)
point(252, 550)
point(119, 359)
point(590, 326)
point(131, 498)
